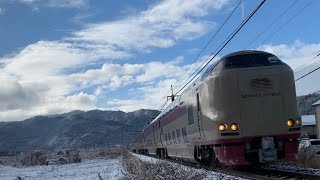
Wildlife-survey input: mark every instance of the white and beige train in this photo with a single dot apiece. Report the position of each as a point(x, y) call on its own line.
point(241, 111)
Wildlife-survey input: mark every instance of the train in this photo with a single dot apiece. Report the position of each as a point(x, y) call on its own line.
point(241, 111)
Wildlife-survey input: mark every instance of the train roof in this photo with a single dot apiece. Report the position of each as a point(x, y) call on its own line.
point(245, 52)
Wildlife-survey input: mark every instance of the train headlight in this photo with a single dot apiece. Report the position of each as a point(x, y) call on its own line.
point(298, 122)
point(222, 127)
point(290, 123)
point(234, 127)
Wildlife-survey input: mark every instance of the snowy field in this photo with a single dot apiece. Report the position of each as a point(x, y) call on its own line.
point(109, 169)
point(210, 175)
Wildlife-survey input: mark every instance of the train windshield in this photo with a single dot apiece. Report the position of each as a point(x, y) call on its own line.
point(248, 60)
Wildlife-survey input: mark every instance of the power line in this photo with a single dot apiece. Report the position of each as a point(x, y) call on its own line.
point(272, 23)
point(299, 69)
point(203, 49)
point(295, 15)
point(308, 73)
point(223, 45)
point(164, 105)
point(215, 34)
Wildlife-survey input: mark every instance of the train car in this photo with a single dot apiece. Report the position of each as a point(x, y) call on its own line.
point(241, 111)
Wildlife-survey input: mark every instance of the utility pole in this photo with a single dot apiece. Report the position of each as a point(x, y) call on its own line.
point(172, 95)
point(242, 9)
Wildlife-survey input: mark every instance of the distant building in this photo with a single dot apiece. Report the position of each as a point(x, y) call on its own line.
point(308, 126)
point(317, 110)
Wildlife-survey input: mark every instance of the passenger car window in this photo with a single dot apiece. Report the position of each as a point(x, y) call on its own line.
point(166, 138)
point(178, 135)
point(169, 136)
point(184, 134)
point(174, 137)
point(190, 115)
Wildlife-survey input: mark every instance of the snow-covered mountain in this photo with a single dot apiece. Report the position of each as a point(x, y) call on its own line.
point(305, 103)
point(76, 129)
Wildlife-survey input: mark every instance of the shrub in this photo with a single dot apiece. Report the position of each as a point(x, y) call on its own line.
point(137, 169)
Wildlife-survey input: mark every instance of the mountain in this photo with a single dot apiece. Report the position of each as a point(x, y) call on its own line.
point(305, 103)
point(76, 129)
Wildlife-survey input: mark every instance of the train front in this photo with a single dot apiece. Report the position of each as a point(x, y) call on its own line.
point(258, 120)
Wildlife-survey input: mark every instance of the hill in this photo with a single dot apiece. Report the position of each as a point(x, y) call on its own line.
point(76, 129)
point(305, 103)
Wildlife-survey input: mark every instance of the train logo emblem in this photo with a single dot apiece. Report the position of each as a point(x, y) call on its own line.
point(260, 84)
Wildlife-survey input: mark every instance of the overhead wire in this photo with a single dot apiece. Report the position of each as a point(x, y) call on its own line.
point(203, 49)
point(308, 74)
point(275, 32)
point(231, 36)
point(272, 23)
point(305, 66)
point(215, 34)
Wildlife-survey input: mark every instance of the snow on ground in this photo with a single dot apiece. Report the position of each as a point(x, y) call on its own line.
point(109, 169)
point(209, 174)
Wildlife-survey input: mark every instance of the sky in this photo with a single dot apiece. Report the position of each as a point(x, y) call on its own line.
point(61, 55)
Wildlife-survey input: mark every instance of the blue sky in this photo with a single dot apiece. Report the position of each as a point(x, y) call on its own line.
point(61, 55)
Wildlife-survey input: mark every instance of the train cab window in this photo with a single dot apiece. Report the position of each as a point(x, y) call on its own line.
point(169, 137)
point(166, 138)
point(184, 134)
point(247, 60)
point(218, 66)
point(190, 115)
point(178, 136)
point(174, 137)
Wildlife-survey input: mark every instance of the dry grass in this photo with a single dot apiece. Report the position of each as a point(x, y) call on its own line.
point(137, 169)
point(313, 162)
point(41, 157)
point(304, 157)
point(105, 152)
point(49, 157)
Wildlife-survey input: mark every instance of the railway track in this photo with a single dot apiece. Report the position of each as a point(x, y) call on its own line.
point(251, 172)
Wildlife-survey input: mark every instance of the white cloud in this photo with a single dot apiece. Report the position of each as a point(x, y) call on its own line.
point(50, 57)
point(114, 76)
point(14, 96)
point(146, 97)
point(55, 3)
point(68, 3)
point(52, 105)
point(38, 79)
point(296, 55)
point(160, 26)
point(153, 95)
point(28, 1)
